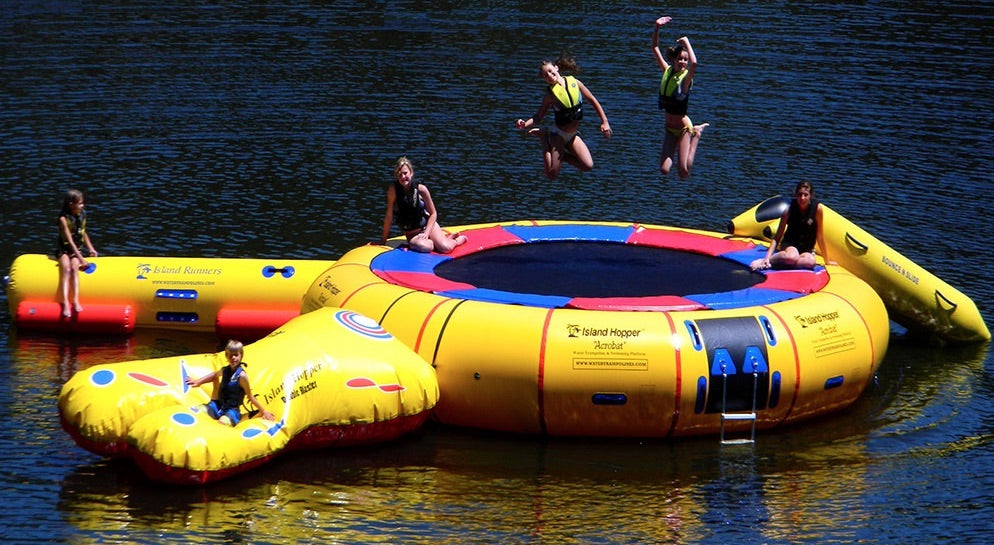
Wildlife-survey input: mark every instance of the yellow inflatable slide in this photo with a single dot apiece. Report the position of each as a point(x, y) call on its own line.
point(330, 378)
point(916, 298)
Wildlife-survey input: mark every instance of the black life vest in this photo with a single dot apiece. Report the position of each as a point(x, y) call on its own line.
point(802, 227)
point(231, 393)
point(408, 208)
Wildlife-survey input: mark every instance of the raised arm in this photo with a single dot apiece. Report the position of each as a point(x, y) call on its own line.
point(691, 64)
point(660, 58)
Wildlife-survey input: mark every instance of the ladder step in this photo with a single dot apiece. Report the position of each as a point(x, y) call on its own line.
point(738, 416)
point(738, 441)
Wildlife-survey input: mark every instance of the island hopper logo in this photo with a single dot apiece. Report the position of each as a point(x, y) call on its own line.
point(574, 330)
point(144, 269)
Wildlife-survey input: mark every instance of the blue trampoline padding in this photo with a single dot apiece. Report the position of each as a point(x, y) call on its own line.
point(510, 298)
point(746, 257)
point(601, 233)
point(407, 261)
point(742, 298)
point(416, 270)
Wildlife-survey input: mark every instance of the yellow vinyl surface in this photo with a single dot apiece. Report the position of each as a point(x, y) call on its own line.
point(569, 372)
point(184, 293)
point(916, 298)
point(332, 369)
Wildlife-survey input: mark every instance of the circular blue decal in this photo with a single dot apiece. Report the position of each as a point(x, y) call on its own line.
point(102, 377)
point(184, 419)
point(362, 325)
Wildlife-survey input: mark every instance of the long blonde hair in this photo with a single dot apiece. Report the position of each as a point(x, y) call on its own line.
point(401, 163)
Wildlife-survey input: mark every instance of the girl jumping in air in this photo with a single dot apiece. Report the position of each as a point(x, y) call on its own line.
point(682, 136)
point(565, 96)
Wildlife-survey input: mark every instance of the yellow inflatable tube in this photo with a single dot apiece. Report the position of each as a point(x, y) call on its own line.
point(916, 298)
point(569, 371)
point(331, 378)
point(242, 298)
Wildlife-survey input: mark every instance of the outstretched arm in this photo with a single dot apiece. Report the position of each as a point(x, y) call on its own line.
point(660, 59)
point(208, 377)
point(525, 124)
point(605, 126)
point(244, 383)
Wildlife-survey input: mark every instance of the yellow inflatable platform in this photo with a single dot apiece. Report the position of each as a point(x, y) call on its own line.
point(331, 378)
point(240, 298)
point(613, 329)
point(916, 298)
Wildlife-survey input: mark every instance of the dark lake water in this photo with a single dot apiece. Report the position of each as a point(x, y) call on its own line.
point(258, 130)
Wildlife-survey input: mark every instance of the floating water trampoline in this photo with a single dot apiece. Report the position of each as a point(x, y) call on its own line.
point(611, 329)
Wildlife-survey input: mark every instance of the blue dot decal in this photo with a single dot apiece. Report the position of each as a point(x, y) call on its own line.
point(184, 419)
point(102, 377)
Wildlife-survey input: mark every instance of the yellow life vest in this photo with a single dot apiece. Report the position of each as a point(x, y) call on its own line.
point(569, 101)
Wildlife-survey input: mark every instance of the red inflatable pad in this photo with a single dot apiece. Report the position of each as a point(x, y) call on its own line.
point(688, 242)
point(249, 325)
point(95, 318)
point(658, 303)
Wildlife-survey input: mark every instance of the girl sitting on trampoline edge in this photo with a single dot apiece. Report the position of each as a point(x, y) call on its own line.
point(410, 202)
point(800, 229)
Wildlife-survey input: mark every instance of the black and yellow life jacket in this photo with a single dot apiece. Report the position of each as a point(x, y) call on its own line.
point(671, 95)
point(569, 101)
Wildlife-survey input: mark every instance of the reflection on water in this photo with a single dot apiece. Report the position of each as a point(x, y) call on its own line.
point(795, 485)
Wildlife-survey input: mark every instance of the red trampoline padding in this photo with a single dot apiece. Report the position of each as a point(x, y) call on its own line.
point(249, 325)
point(422, 281)
point(690, 242)
point(660, 303)
point(797, 281)
point(95, 318)
point(485, 239)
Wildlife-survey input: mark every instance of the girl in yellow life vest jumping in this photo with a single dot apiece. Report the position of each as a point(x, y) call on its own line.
point(681, 136)
point(561, 141)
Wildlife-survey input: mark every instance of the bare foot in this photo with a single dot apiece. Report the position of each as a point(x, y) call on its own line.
point(698, 129)
point(759, 264)
point(460, 239)
point(78, 307)
point(66, 313)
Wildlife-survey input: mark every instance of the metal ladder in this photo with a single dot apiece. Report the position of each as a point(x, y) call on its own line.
point(738, 417)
